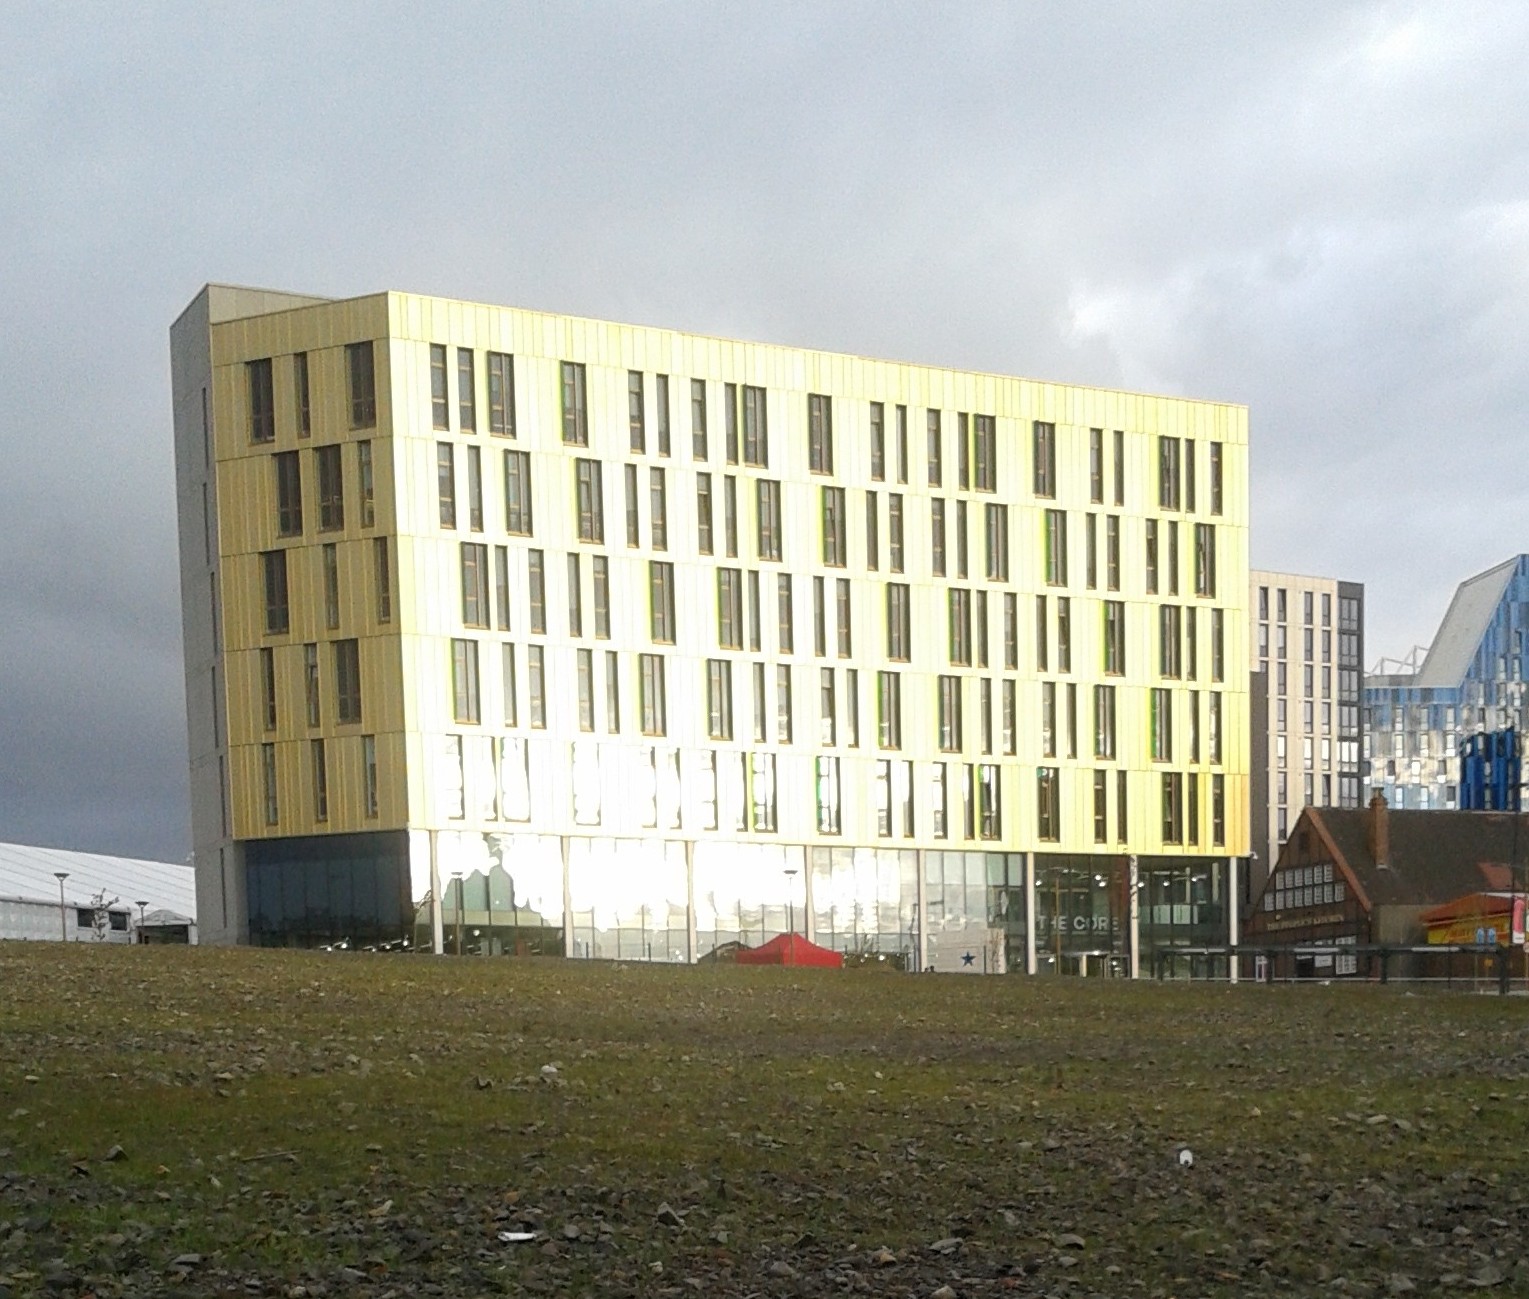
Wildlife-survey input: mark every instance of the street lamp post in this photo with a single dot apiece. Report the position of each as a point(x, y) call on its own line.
point(790, 873)
point(142, 905)
point(63, 922)
point(457, 877)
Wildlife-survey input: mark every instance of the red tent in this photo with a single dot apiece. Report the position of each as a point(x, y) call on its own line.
point(789, 949)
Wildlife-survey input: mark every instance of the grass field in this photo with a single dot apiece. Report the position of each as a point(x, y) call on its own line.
point(182, 1121)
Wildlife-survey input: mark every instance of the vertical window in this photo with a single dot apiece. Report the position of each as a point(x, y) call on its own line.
point(1122, 807)
point(852, 706)
point(963, 452)
point(703, 513)
point(719, 699)
point(872, 541)
point(1010, 717)
point(985, 439)
point(475, 610)
point(878, 442)
point(1104, 722)
point(1217, 646)
point(517, 493)
point(633, 537)
point(1063, 634)
point(958, 626)
point(767, 518)
point(1191, 643)
point(1161, 719)
point(939, 802)
point(895, 532)
point(636, 416)
point(899, 622)
point(754, 612)
point(1218, 811)
point(367, 483)
point(289, 494)
point(950, 714)
point(783, 730)
point(1205, 560)
point(575, 597)
point(756, 429)
point(1168, 473)
point(440, 400)
point(347, 678)
point(1151, 554)
point(584, 671)
point(536, 590)
point(827, 776)
point(1173, 557)
point(661, 601)
point(1096, 466)
point(302, 395)
point(612, 694)
point(729, 608)
point(278, 614)
point(820, 434)
point(828, 711)
point(658, 510)
point(1101, 806)
point(902, 444)
point(382, 580)
point(651, 705)
point(761, 714)
point(1112, 553)
point(1042, 636)
point(446, 483)
point(369, 773)
point(1091, 551)
point(933, 449)
point(730, 423)
point(698, 419)
point(1048, 719)
point(1043, 444)
point(961, 551)
point(331, 489)
point(1056, 547)
point(997, 542)
point(262, 400)
point(989, 806)
point(1114, 638)
point(819, 618)
point(846, 646)
point(501, 394)
point(1169, 641)
point(1213, 727)
point(1189, 486)
point(834, 527)
point(507, 684)
point(1048, 804)
point(536, 686)
point(979, 637)
point(730, 516)
point(1072, 720)
point(589, 493)
point(474, 489)
point(1215, 478)
point(1120, 469)
point(575, 411)
point(268, 779)
point(311, 682)
point(785, 621)
point(467, 392)
point(601, 580)
point(661, 411)
point(1010, 631)
point(889, 710)
point(268, 688)
point(464, 681)
point(361, 369)
point(502, 586)
point(937, 536)
point(1173, 807)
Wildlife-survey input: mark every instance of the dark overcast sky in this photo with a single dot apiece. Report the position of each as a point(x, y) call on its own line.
point(1318, 209)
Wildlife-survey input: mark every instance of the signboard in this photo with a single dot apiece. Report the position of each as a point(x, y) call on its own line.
point(1518, 923)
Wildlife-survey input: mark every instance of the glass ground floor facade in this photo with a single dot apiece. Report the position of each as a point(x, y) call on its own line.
point(685, 901)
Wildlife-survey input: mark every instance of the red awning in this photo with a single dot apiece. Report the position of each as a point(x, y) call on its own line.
point(789, 949)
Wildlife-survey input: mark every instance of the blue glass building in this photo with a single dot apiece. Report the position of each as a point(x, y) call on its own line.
point(1470, 681)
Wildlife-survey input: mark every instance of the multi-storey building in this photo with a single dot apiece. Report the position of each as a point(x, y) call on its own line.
point(1308, 639)
point(515, 630)
point(1470, 681)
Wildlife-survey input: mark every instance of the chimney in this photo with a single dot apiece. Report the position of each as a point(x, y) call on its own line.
point(1378, 832)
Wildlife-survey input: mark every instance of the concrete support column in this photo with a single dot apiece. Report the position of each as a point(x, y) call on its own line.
point(562, 844)
point(691, 942)
point(921, 947)
point(1032, 957)
point(1233, 916)
point(437, 919)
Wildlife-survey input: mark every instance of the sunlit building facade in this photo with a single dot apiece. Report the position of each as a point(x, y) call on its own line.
point(509, 631)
